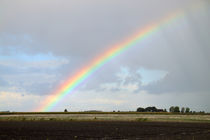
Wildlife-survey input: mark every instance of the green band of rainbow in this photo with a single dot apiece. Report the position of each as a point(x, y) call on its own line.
point(74, 81)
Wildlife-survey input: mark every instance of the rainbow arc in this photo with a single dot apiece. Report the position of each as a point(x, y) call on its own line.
point(76, 80)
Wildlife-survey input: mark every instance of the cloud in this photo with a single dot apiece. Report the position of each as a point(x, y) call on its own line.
point(61, 26)
point(14, 101)
point(124, 101)
point(43, 42)
point(37, 74)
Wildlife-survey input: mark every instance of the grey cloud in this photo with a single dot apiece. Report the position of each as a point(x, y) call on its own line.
point(31, 77)
point(33, 83)
point(65, 27)
point(79, 31)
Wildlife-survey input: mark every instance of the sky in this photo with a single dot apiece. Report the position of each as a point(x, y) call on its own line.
point(44, 42)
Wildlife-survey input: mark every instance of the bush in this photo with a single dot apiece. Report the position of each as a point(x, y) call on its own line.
point(151, 109)
point(140, 109)
point(171, 109)
point(183, 110)
point(176, 109)
point(187, 110)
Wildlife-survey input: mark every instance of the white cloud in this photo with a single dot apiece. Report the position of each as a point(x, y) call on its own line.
point(14, 101)
point(37, 74)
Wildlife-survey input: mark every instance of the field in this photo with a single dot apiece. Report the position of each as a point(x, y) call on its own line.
point(104, 126)
point(104, 116)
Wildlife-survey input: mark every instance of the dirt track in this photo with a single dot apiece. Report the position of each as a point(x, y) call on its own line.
point(102, 130)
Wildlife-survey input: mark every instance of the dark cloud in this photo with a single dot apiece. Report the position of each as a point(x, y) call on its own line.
point(77, 28)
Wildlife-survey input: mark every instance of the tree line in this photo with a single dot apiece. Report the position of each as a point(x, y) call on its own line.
point(176, 109)
point(150, 109)
point(172, 109)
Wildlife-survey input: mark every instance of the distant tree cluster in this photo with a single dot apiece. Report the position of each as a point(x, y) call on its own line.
point(150, 109)
point(176, 109)
point(172, 109)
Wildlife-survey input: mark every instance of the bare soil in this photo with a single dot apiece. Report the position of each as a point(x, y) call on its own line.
point(103, 130)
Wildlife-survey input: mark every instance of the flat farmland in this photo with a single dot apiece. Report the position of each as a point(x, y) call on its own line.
point(108, 117)
point(104, 126)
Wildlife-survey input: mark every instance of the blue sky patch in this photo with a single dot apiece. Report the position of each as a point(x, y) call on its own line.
point(148, 76)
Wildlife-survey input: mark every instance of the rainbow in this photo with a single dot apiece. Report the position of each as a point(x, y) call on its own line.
point(73, 82)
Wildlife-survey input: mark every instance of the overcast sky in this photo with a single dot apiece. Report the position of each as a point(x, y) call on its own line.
point(42, 42)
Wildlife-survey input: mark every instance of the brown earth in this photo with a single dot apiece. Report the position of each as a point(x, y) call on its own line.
point(103, 130)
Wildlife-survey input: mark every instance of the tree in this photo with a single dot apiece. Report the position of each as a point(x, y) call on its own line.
point(151, 109)
point(171, 109)
point(187, 110)
point(160, 110)
point(183, 110)
point(202, 112)
point(65, 110)
point(176, 109)
point(140, 109)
